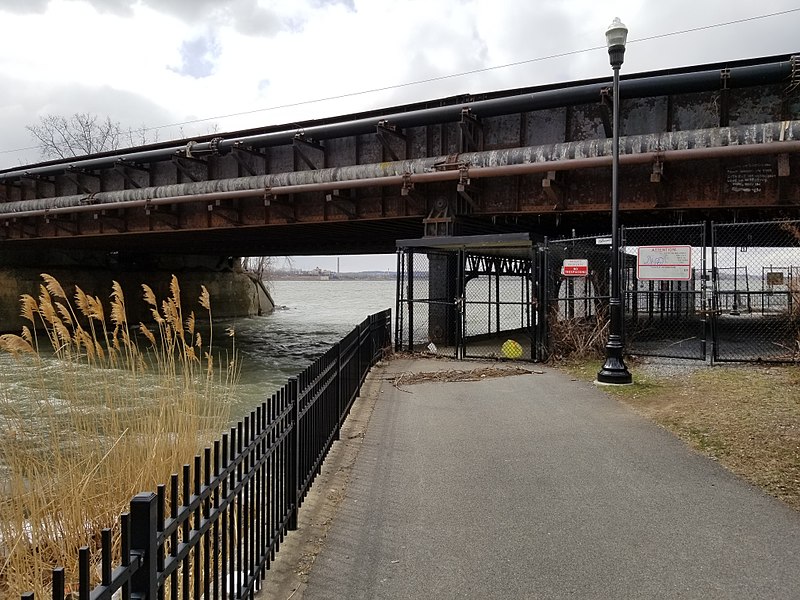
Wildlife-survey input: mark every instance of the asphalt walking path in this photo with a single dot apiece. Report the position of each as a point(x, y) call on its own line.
point(539, 486)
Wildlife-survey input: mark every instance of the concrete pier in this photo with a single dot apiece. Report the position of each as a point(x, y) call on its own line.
point(233, 292)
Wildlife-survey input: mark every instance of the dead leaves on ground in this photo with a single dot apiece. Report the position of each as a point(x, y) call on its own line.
point(447, 376)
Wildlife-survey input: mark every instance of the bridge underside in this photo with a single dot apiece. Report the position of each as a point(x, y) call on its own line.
point(715, 142)
point(355, 237)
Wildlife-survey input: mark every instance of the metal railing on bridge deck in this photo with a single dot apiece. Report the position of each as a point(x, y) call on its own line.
point(231, 509)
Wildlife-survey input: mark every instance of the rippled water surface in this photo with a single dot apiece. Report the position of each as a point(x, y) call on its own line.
point(309, 317)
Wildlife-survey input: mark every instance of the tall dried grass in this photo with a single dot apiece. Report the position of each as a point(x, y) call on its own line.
point(108, 420)
point(579, 337)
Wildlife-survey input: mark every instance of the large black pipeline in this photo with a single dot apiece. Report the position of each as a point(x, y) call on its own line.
point(633, 87)
point(723, 142)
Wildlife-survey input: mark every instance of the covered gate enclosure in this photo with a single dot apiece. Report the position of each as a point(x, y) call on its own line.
point(469, 297)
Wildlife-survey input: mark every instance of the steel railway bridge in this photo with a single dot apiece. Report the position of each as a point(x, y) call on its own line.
point(714, 141)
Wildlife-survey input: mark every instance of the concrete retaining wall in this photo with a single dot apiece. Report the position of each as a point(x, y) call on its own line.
point(233, 293)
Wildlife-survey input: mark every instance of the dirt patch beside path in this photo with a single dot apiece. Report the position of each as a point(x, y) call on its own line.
point(451, 375)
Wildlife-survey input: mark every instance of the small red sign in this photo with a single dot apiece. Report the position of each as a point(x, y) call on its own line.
point(575, 267)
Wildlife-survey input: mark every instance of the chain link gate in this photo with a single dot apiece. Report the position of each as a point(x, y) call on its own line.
point(429, 284)
point(756, 291)
point(667, 317)
point(499, 306)
point(473, 296)
point(576, 305)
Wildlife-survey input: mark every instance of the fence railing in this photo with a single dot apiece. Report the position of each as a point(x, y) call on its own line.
point(213, 531)
point(740, 301)
point(736, 299)
point(755, 268)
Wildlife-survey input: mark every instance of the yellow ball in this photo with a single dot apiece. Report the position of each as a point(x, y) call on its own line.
point(511, 349)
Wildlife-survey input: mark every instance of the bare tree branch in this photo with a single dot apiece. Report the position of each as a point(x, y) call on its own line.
point(83, 133)
point(261, 266)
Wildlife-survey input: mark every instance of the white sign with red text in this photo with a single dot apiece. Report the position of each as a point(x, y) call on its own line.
point(575, 267)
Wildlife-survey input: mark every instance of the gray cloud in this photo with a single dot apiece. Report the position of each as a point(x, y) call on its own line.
point(24, 6)
point(115, 7)
point(349, 4)
point(535, 30)
point(774, 35)
point(23, 103)
point(251, 19)
point(239, 11)
point(247, 16)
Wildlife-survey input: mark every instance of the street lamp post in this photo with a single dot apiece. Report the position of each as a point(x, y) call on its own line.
point(614, 370)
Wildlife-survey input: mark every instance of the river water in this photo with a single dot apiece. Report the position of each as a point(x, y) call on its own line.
point(309, 317)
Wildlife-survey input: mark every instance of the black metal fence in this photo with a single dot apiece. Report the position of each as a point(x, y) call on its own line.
point(213, 531)
point(736, 298)
point(429, 283)
point(756, 281)
point(667, 317)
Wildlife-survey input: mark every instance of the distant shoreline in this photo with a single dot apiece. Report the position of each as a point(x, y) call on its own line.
point(364, 276)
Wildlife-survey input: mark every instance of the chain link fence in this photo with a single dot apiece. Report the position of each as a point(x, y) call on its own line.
point(464, 303)
point(756, 291)
point(427, 309)
point(499, 307)
point(667, 316)
point(735, 299)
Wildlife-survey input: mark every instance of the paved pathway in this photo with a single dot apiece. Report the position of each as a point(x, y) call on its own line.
point(536, 486)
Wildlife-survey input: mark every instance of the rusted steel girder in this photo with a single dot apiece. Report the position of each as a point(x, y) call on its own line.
point(727, 142)
point(640, 85)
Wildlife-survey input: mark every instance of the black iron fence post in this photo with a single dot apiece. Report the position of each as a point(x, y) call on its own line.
point(337, 386)
point(714, 296)
point(144, 542)
point(359, 353)
point(398, 321)
point(293, 458)
point(410, 300)
point(371, 338)
point(59, 580)
point(543, 302)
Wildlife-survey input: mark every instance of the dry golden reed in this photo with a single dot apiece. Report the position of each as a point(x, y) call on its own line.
point(107, 419)
point(578, 338)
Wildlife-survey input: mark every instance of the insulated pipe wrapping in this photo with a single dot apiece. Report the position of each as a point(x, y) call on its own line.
point(633, 87)
point(768, 138)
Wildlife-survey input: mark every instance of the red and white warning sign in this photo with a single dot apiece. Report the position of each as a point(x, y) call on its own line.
point(575, 267)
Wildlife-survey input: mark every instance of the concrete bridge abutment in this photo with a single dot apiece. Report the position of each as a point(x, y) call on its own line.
point(233, 292)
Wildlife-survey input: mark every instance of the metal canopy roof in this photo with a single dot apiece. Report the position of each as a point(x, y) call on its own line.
point(502, 244)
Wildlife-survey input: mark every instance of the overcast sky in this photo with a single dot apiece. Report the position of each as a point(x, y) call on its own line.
point(157, 63)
